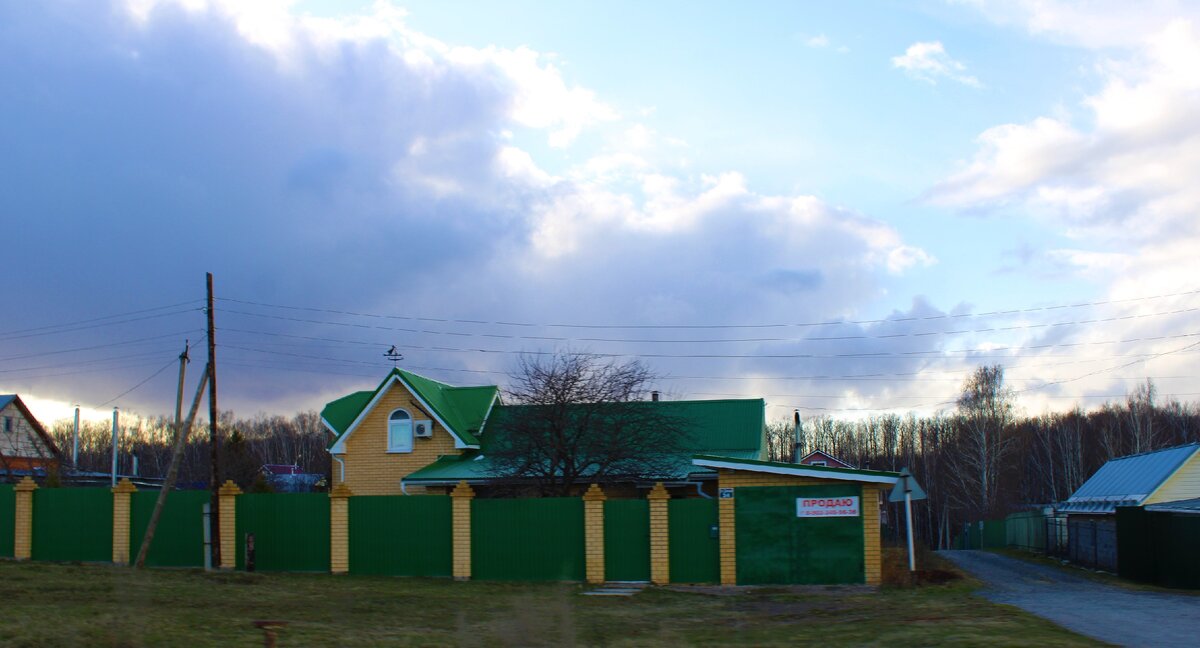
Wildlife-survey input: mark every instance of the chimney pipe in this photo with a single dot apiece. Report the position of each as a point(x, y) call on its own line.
point(115, 441)
point(797, 436)
point(654, 395)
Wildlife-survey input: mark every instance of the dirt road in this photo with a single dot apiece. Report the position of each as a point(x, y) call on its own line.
point(1105, 612)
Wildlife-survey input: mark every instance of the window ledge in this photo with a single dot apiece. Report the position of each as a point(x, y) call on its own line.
point(391, 451)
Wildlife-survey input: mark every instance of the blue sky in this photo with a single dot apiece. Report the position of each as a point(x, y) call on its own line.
point(662, 164)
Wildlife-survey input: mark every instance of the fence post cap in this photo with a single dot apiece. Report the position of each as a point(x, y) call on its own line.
point(229, 488)
point(26, 485)
point(124, 486)
point(340, 491)
point(463, 489)
point(659, 492)
point(594, 494)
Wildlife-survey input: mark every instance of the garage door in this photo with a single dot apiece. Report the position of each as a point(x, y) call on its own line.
point(799, 534)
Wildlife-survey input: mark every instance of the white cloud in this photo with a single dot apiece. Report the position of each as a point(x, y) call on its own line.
point(1119, 182)
point(1089, 23)
point(929, 62)
point(358, 164)
point(818, 41)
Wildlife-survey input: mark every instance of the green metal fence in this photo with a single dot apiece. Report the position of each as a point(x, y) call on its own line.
point(627, 540)
point(179, 537)
point(1026, 530)
point(8, 516)
point(72, 524)
point(695, 551)
point(291, 531)
point(401, 536)
point(527, 539)
point(1158, 547)
point(985, 534)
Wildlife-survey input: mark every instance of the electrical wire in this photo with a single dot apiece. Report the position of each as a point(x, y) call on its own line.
point(788, 356)
point(143, 382)
point(100, 346)
point(814, 338)
point(5, 334)
point(712, 326)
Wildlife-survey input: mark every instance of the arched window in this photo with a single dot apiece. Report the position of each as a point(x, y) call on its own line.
point(400, 432)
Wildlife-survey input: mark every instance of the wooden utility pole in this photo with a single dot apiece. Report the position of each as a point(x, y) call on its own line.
point(182, 428)
point(214, 435)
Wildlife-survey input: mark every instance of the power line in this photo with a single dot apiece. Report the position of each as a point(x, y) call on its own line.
point(814, 338)
point(788, 356)
point(5, 334)
point(710, 326)
point(101, 346)
point(155, 353)
point(92, 370)
point(143, 382)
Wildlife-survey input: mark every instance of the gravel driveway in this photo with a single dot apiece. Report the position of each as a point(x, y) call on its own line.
point(1098, 610)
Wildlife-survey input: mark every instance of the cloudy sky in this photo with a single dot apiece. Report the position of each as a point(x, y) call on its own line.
point(840, 208)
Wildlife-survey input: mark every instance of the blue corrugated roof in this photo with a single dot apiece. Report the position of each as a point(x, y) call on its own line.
point(5, 399)
point(1127, 481)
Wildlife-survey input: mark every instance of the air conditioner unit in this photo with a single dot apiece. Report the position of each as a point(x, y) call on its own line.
point(423, 429)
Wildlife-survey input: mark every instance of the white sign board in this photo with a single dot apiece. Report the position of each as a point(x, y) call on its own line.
point(827, 507)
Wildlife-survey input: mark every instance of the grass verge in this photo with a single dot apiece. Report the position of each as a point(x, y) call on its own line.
point(88, 605)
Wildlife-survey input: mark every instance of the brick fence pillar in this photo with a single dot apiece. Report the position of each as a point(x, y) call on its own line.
point(728, 540)
point(122, 499)
point(23, 523)
point(339, 529)
point(872, 557)
point(228, 517)
point(660, 536)
point(593, 533)
point(461, 520)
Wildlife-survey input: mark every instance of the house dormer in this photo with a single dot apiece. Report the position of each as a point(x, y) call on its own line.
point(404, 424)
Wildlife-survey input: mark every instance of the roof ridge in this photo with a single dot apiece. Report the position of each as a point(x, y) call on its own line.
point(1150, 452)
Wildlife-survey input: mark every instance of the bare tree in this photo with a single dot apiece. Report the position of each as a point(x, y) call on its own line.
point(781, 441)
point(582, 418)
point(985, 415)
point(1140, 415)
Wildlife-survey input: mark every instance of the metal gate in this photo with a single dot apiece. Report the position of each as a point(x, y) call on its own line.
point(694, 544)
point(291, 531)
point(401, 535)
point(179, 537)
point(72, 524)
point(527, 539)
point(627, 540)
point(774, 545)
point(8, 512)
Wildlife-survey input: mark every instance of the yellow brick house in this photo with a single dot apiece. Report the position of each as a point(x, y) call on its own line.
point(771, 523)
point(414, 435)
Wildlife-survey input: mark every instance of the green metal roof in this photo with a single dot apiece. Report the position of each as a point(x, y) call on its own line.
point(462, 409)
point(729, 428)
point(341, 413)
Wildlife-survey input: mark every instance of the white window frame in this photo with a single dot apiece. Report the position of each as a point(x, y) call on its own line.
point(819, 462)
point(400, 448)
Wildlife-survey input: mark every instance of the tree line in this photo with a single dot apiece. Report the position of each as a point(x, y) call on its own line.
point(247, 444)
point(982, 459)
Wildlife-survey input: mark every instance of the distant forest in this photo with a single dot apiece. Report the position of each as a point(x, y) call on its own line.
point(979, 460)
point(246, 445)
point(983, 461)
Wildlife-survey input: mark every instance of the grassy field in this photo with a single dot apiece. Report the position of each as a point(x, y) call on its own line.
point(83, 605)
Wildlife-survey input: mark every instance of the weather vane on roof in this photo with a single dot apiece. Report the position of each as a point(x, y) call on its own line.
point(394, 355)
